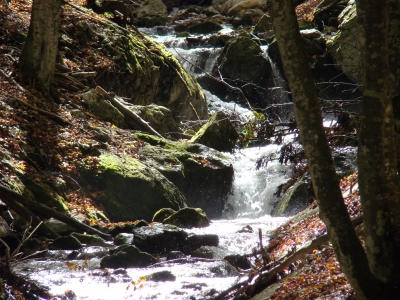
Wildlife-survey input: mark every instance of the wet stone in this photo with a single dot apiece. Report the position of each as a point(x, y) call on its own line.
point(123, 238)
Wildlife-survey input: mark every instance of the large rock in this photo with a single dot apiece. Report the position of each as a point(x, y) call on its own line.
point(103, 109)
point(204, 175)
point(151, 7)
point(295, 199)
point(130, 190)
point(232, 7)
point(127, 256)
point(242, 59)
point(217, 133)
point(144, 71)
point(344, 45)
point(160, 238)
point(159, 117)
point(188, 217)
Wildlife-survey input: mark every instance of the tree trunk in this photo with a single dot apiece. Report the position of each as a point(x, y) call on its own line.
point(377, 163)
point(38, 58)
point(348, 249)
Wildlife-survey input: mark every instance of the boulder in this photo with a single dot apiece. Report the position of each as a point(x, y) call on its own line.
point(242, 59)
point(232, 7)
point(130, 190)
point(151, 7)
point(196, 241)
point(67, 243)
point(295, 199)
point(204, 27)
point(162, 214)
point(90, 240)
point(203, 174)
point(161, 276)
point(188, 217)
point(127, 256)
point(103, 109)
point(246, 17)
point(343, 46)
point(217, 133)
point(263, 24)
point(123, 238)
point(159, 238)
point(159, 117)
point(146, 72)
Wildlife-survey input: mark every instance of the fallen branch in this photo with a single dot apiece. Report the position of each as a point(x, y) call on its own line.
point(127, 112)
point(44, 112)
point(266, 278)
point(13, 199)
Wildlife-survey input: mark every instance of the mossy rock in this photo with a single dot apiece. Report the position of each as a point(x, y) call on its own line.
point(160, 238)
point(204, 27)
point(103, 109)
point(132, 190)
point(127, 256)
point(162, 214)
point(188, 218)
point(242, 59)
point(90, 240)
point(343, 46)
point(217, 133)
point(294, 200)
point(203, 174)
point(146, 72)
point(159, 117)
point(263, 24)
point(67, 243)
point(123, 238)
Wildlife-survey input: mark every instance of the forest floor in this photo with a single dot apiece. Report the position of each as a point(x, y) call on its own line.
point(316, 275)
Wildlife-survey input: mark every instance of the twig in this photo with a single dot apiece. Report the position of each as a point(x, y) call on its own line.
point(25, 238)
point(11, 80)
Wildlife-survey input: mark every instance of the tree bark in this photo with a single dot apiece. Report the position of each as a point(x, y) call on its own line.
point(377, 163)
point(333, 212)
point(38, 58)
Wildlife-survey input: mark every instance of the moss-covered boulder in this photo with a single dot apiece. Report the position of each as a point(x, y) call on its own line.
point(90, 240)
point(67, 243)
point(263, 24)
point(344, 45)
point(130, 190)
point(295, 199)
point(127, 256)
point(188, 217)
point(246, 17)
point(159, 117)
point(203, 174)
point(204, 27)
point(162, 214)
point(242, 59)
point(123, 238)
point(101, 108)
point(144, 71)
point(217, 133)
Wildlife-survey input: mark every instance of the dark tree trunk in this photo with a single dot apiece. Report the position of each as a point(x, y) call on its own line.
point(377, 163)
point(38, 58)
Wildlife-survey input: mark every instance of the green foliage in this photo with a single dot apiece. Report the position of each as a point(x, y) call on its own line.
point(249, 130)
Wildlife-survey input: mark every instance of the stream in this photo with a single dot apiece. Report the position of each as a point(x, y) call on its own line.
point(248, 209)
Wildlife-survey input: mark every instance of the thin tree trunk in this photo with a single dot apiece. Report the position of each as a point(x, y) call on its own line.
point(377, 176)
point(333, 212)
point(38, 58)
